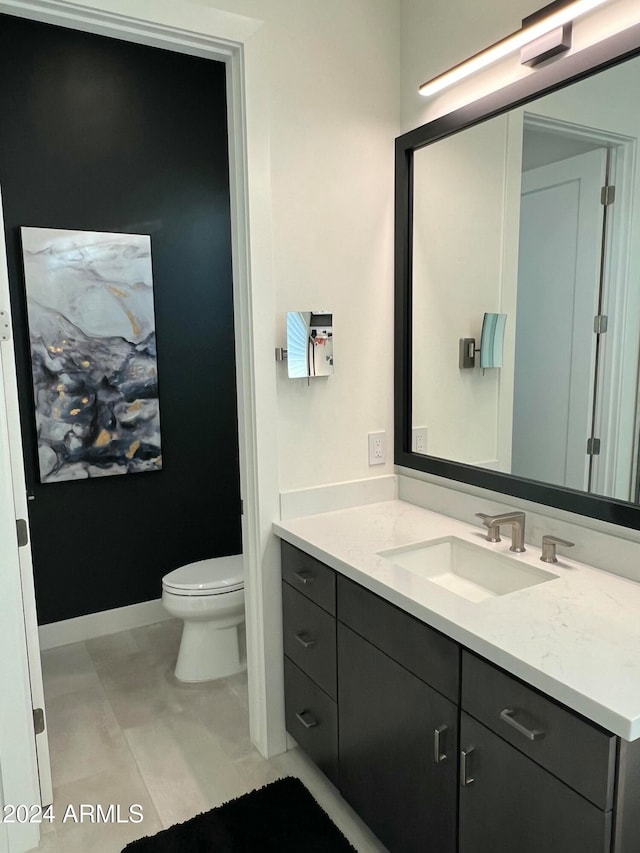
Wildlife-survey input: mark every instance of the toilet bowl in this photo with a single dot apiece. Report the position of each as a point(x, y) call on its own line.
point(209, 596)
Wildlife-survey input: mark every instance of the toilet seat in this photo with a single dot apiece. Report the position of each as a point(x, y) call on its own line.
point(215, 576)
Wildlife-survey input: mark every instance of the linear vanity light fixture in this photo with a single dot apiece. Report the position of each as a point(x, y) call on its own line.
point(542, 35)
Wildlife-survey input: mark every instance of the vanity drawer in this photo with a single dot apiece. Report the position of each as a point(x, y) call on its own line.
point(312, 719)
point(310, 638)
point(576, 751)
point(423, 651)
point(309, 576)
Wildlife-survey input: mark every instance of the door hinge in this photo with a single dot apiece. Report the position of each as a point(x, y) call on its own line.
point(607, 195)
point(22, 531)
point(38, 720)
point(600, 324)
point(5, 326)
point(593, 447)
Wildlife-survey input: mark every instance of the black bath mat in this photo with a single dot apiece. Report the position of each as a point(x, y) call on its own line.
point(282, 817)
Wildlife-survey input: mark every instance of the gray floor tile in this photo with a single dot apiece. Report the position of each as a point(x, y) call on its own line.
point(68, 669)
point(123, 731)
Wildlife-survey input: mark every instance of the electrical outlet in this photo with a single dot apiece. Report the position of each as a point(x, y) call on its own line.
point(377, 448)
point(419, 440)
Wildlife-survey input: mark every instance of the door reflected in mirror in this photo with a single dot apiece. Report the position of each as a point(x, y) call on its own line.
point(517, 215)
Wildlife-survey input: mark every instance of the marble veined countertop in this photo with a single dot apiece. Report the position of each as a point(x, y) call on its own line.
point(576, 637)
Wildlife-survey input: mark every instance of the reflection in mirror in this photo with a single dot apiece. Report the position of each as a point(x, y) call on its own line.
point(492, 340)
point(309, 344)
point(513, 216)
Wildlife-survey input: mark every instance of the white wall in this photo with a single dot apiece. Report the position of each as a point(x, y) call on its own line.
point(459, 187)
point(333, 101)
point(436, 34)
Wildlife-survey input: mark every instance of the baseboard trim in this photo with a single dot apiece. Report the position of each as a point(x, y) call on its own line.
point(490, 464)
point(99, 624)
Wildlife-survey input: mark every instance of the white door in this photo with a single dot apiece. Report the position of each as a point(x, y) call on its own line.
point(558, 285)
point(18, 765)
point(16, 507)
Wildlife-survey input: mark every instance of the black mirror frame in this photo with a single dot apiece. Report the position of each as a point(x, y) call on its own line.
point(556, 75)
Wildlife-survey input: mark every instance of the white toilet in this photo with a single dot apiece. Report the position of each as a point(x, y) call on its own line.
point(209, 596)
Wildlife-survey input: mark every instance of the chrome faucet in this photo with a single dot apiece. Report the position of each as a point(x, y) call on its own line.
point(495, 522)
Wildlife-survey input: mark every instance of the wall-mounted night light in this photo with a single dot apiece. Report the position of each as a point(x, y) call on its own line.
point(542, 35)
point(491, 344)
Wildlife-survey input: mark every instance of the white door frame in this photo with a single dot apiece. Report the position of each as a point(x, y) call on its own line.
point(241, 42)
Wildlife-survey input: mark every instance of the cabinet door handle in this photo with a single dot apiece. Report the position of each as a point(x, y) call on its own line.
point(464, 754)
point(304, 577)
point(305, 640)
point(310, 720)
point(438, 753)
point(530, 734)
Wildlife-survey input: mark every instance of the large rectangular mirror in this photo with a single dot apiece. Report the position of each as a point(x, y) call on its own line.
point(508, 206)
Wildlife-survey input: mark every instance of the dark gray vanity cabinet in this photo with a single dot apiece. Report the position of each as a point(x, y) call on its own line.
point(436, 749)
point(534, 776)
point(310, 639)
point(573, 749)
point(398, 740)
point(374, 703)
point(312, 719)
point(310, 674)
point(509, 803)
point(309, 577)
point(398, 735)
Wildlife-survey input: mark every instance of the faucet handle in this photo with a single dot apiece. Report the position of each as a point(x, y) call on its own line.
point(493, 533)
point(549, 544)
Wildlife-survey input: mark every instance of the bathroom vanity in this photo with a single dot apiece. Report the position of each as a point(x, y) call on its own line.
point(459, 722)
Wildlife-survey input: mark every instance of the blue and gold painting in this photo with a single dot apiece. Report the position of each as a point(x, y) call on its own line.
point(93, 352)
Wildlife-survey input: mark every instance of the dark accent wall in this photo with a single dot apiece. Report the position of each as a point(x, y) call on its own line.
point(103, 135)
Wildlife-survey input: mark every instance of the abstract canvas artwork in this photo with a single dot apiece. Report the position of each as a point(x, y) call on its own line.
point(93, 352)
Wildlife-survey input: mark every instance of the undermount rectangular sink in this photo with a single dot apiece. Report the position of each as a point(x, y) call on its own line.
point(468, 570)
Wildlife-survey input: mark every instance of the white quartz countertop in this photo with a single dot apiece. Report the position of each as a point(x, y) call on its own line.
point(576, 638)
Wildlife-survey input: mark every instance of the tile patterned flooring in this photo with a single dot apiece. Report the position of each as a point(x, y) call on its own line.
point(122, 730)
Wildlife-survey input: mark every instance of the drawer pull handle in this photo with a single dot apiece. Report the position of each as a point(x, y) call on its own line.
point(530, 734)
point(308, 723)
point(304, 577)
point(438, 753)
point(466, 780)
point(305, 640)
